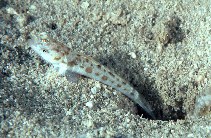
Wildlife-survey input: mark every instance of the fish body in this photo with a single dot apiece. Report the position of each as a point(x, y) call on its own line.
point(69, 63)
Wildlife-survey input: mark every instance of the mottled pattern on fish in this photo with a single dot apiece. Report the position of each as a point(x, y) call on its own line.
point(70, 63)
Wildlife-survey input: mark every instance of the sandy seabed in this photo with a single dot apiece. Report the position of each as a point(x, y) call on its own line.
point(163, 48)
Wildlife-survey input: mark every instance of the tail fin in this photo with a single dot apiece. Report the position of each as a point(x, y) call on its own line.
point(145, 105)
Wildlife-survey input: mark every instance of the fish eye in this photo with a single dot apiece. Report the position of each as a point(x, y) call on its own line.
point(44, 50)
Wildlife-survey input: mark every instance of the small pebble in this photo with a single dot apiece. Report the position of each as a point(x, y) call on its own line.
point(132, 54)
point(89, 104)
